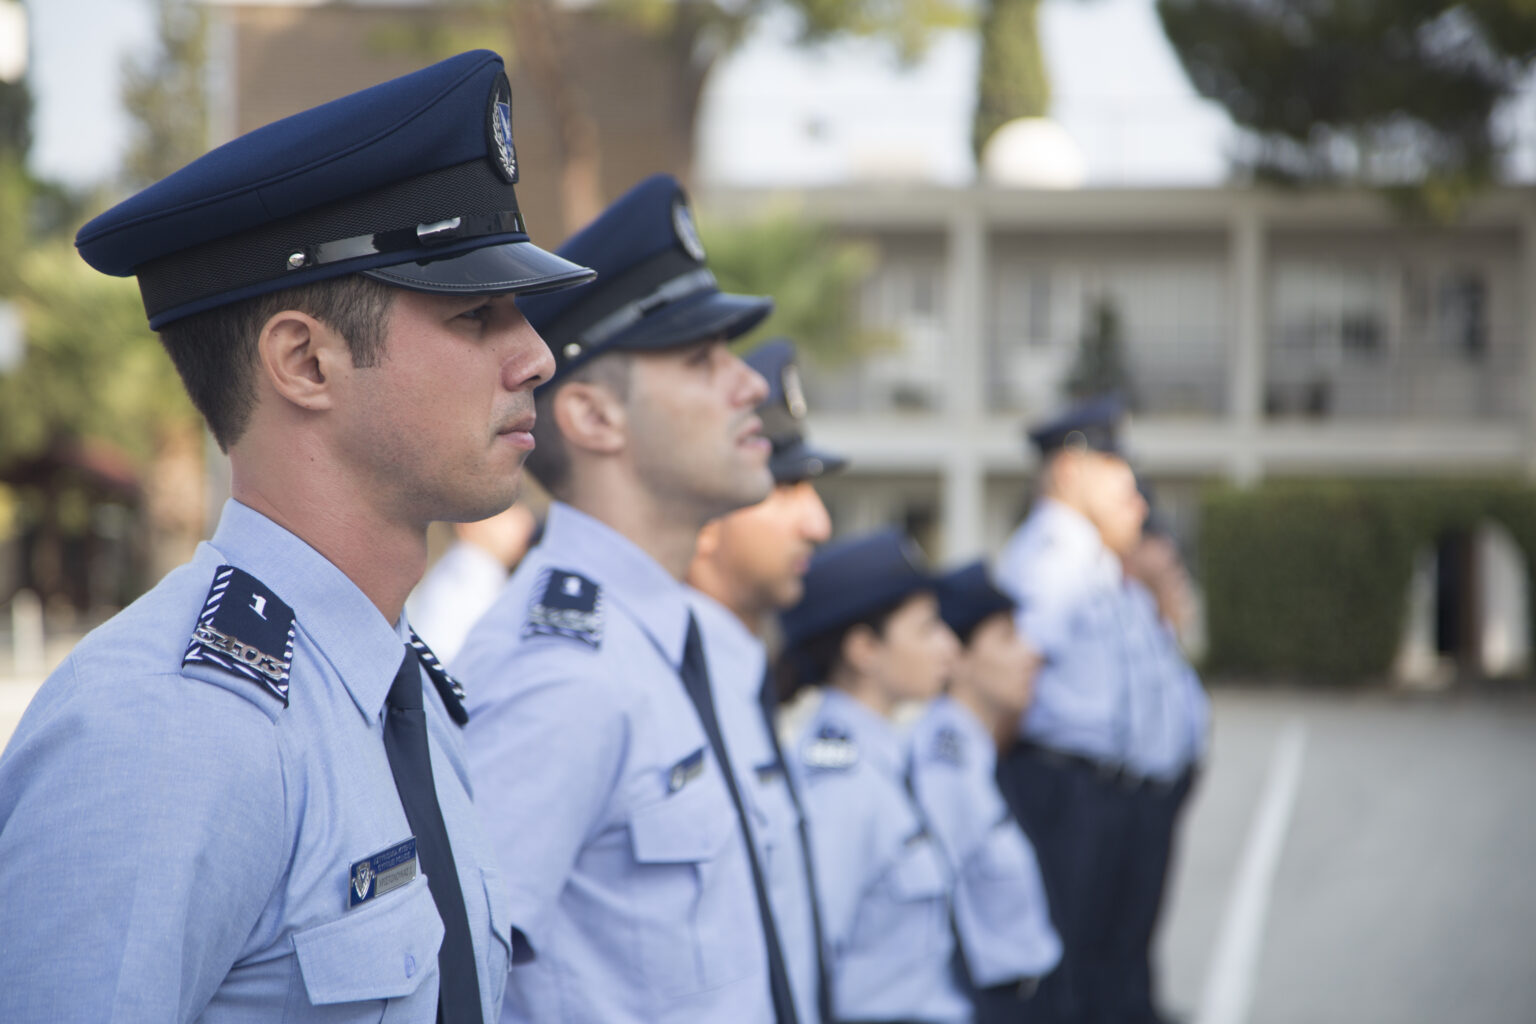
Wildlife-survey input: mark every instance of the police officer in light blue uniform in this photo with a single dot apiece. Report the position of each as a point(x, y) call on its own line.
point(1066, 779)
point(244, 798)
point(1167, 740)
point(747, 567)
point(595, 745)
point(869, 629)
point(1001, 915)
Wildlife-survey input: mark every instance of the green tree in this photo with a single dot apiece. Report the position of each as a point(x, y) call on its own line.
point(694, 33)
point(1012, 81)
point(165, 96)
point(1100, 367)
point(812, 275)
point(1395, 93)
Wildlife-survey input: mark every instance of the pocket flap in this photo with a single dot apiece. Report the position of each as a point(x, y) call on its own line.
point(693, 824)
point(381, 950)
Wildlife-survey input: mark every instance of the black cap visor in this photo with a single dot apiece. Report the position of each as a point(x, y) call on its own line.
point(512, 267)
point(798, 461)
point(710, 314)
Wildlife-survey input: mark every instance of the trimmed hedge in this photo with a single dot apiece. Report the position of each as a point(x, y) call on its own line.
point(1309, 579)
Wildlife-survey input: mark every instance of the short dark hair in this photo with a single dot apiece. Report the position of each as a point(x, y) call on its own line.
point(550, 460)
point(812, 661)
point(215, 351)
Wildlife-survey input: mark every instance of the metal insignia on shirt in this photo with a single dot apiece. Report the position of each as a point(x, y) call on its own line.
point(949, 746)
point(832, 749)
point(768, 772)
point(382, 872)
point(685, 771)
point(246, 629)
point(569, 605)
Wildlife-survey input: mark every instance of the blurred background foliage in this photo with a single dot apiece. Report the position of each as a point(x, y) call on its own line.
point(1309, 579)
point(1402, 94)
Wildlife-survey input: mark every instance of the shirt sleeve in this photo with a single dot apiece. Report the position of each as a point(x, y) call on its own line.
point(545, 757)
point(842, 849)
point(142, 832)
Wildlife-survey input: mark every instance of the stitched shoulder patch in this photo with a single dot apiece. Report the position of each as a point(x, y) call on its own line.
point(245, 629)
point(831, 749)
point(948, 746)
point(566, 604)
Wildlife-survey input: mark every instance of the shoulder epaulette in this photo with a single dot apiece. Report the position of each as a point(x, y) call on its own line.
point(948, 746)
point(245, 629)
point(831, 749)
point(566, 604)
point(448, 688)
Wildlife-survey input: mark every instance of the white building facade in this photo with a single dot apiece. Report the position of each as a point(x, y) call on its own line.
point(1266, 334)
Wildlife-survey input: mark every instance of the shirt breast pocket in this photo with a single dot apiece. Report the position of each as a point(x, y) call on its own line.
point(698, 927)
point(381, 953)
point(909, 907)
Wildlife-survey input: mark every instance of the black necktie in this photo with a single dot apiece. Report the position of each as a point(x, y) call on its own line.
point(695, 675)
point(405, 743)
point(769, 699)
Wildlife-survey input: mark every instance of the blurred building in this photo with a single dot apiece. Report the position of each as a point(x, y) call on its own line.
point(1264, 335)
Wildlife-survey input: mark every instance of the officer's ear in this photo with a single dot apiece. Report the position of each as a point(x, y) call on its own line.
point(861, 648)
point(299, 357)
point(591, 417)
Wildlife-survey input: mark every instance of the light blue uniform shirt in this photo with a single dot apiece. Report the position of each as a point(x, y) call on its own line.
point(607, 810)
point(1172, 717)
point(177, 845)
point(883, 882)
point(736, 667)
point(1001, 913)
point(1067, 584)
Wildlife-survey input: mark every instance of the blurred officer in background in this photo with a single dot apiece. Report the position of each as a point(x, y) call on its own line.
point(467, 577)
point(243, 797)
point(749, 565)
point(868, 631)
point(595, 745)
point(1000, 912)
point(1167, 742)
point(1065, 778)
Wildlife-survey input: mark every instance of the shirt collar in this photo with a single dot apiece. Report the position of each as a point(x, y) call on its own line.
point(350, 631)
point(628, 576)
point(876, 736)
point(734, 653)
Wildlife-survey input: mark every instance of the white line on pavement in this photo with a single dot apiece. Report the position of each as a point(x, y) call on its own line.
point(1235, 963)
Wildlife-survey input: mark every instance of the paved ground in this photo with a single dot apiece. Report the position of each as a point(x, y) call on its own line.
point(1405, 888)
point(1402, 881)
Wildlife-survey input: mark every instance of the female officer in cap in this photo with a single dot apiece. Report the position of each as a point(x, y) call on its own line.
point(868, 630)
point(1001, 916)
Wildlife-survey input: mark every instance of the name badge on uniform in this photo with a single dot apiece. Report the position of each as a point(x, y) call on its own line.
point(770, 771)
point(383, 872)
point(685, 771)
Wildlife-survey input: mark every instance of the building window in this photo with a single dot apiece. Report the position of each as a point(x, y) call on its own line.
point(1461, 313)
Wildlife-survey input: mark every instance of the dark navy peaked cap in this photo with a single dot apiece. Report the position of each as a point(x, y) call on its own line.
point(783, 415)
point(967, 597)
point(654, 290)
point(409, 182)
point(852, 578)
point(1090, 425)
